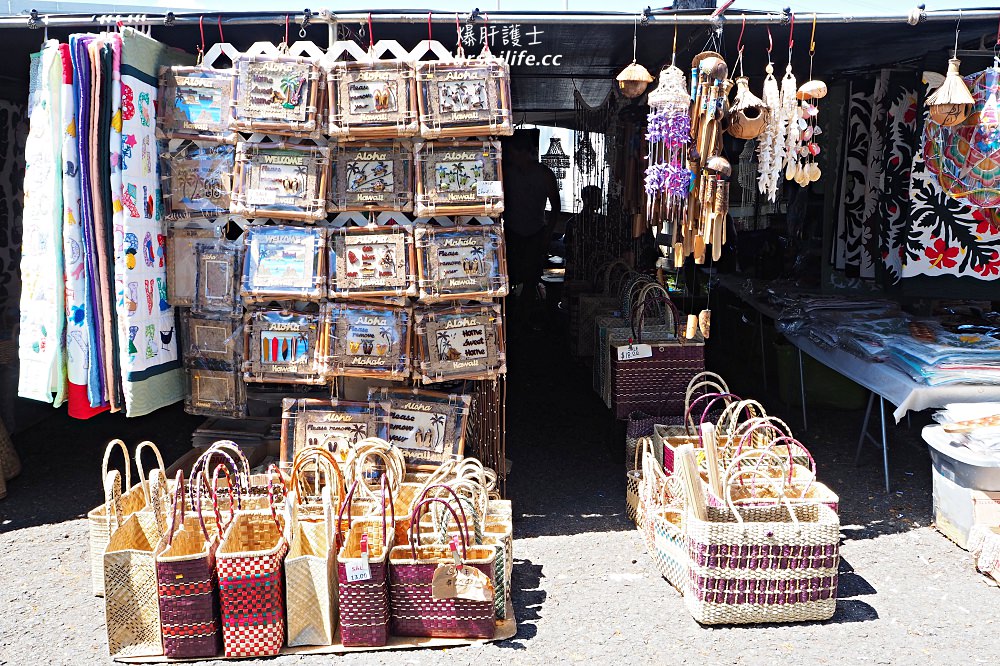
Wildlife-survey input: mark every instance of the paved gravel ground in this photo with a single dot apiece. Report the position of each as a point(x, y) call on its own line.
point(585, 589)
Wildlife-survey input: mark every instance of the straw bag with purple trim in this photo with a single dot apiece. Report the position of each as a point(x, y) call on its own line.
point(774, 563)
point(443, 591)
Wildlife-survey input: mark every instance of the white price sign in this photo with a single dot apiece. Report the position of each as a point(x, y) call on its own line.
point(358, 570)
point(261, 197)
point(489, 188)
point(632, 352)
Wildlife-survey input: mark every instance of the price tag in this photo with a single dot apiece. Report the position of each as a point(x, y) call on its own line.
point(443, 582)
point(359, 570)
point(473, 584)
point(261, 197)
point(489, 188)
point(632, 352)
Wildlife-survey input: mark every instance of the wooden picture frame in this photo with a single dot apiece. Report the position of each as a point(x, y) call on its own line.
point(217, 270)
point(371, 177)
point(464, 98)
point(217, 339)
point(372, 100)
point(458, 178)
point(277, 95)
point(285, 347)
point(182, 263)
point(428, 426)
point(195, 103)
point(280, 180)
point(461, 263)
point(196, 178)
point(460, 343)
point(369, 341)
point(371, 262)
point(336, 424)
point(284, 263)
point(214, 392)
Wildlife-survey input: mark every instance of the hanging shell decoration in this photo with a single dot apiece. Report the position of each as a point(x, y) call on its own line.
point(804, 153)
point(952, 103)
point(771, 146)
point(633, 80)
point(790, 126)
point(748, 114)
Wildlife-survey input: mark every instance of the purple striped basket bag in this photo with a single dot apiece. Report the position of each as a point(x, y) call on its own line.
point(415, 609)
point(764, 563)
point(251, 586)
point(651, 373)
point(187, 584)
point(363, 573)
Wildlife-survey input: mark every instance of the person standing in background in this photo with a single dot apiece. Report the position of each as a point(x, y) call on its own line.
point(527, 185)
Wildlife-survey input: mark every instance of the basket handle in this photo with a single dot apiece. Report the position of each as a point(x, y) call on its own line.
point(464, 525)
point(754, 460)
point(138, 465)
point(234, 500)
point(159, 499)
point(610, 271)
point(107, 457)
point(323, 458)
point(790, 442)
point(113, 497)
point(358, 465)
point(272, 492)
point(415, 521)
point(346, 504)
point(670, 314)
point(759, 426)
point(233, 447)
point(730, 502)
point(689, 422)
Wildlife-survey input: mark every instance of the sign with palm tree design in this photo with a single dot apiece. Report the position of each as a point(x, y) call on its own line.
point(197, 179)
point(460, 263)
point(283, 181)
point(468, 98)
point(372, 100)
point(460, 343)
point(458, 178)
point(336, 425)
point(429, 427)
point(372, 177)
point(368, 262)
point(369, 341)
point(276, 95)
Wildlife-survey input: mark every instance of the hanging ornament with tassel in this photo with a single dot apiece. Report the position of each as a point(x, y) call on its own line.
point(952, 103)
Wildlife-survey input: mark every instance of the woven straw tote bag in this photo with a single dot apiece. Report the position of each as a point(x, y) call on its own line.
point(415, 611)
point(363, 573)
point(187, 583)
point(251, 585)
point(131, 602)
point(310, 579)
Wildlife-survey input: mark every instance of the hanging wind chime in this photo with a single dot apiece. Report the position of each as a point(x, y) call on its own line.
point(801, 165)
point(634, 79)
point(668, 132)
point(748, 115)
point(952, 103)
point(789, 126)
point(771, 147)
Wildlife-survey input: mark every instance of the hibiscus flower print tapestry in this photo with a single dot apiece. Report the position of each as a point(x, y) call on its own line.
point(946, 235)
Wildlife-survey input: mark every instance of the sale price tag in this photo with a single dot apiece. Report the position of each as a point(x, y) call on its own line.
point(358, 570)
point(632, 352)
point(489, 188)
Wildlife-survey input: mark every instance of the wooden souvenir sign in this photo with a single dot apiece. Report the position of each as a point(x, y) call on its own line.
point(215, 393)
point(429, 427)
point(196, 179)
point(195, 103)
point(216, 277)
point(372, 177)
point(337, 425)
point(461, 263)
point(284, 263)
point(276, 95)
point(460, 343)
point(464, 98)
point(182, 264)
point(217, 339)
point(458, 178)
point(285, 347)
point(283, 181)
point(372, 100)
point(369, 341)
point(367, 262)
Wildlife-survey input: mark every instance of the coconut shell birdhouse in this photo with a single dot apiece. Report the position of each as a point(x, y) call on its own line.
point(952, 103)
point(748, 114)
point(633, 80)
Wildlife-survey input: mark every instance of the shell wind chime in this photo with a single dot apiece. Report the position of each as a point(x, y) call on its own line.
point(668, 131)
point(771, 146)
point(801, 152)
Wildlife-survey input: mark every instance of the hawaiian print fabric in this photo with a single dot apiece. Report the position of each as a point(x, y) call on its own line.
point(41, 329)
point(852, 246)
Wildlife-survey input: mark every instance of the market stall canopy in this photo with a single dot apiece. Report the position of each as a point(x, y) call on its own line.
point(552, 55)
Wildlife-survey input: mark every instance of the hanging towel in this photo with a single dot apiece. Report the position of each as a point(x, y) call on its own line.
point(42, 375)
point(151, 369)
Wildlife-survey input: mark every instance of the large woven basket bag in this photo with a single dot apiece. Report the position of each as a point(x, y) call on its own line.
point(758, 564)
point(187, 583)
point(415, 610)
point(251, 586)
point(131, 603)
point(363, 573)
